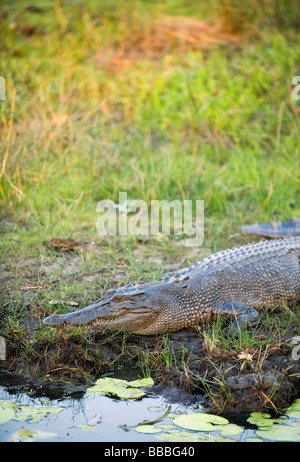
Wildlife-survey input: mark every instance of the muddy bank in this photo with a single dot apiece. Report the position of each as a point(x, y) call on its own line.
point(183, 366)
point(239, 382)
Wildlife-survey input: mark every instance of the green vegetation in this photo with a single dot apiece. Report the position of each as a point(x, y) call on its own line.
point(203, 426)
point(217, 124)
point(121, 388)
point(96, 103)
point(32, 414)
point(198, 426)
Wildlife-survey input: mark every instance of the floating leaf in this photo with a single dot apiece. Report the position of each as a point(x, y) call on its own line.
point(294, 410)
point(254, 440)
point(7, 410)
point(33, 414)
point(200, 421)
point(184, 436)
point(24, 434)
point(217, 439)
point(261, 419)
point(179, 435)
point(31, 435)
point(52, 409)
point(120, 388)
point(116, 387)
point(86, 427)
point(147, 429)
point(231, 429)
point(155, 409)
point(146, 382)
point(280, 433)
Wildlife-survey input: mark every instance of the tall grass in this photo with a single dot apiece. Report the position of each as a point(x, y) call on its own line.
point(216, 123)
point(98, 103)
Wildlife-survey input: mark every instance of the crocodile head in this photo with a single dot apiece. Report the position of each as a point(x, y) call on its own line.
point(131, 308)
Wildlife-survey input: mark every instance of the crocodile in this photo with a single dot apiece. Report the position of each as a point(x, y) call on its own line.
point(237, 283)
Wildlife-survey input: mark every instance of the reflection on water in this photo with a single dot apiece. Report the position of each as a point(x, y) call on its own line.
point(98, 418)
point(109, 417)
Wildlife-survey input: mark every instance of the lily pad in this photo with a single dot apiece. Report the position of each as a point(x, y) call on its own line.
point(200, 421)
point(146, 382)
point(179, 435)
point(231, 429)
point(155, 409)
point(254, 440)
point(34, 421)
point(262, 419)
point(86, 427)
point(184, 436)
point(294, 410)
point(280, 433)
point(7, 410)
point(121, 388)
point(33, 414)
point(24, 435)
point(147, 429)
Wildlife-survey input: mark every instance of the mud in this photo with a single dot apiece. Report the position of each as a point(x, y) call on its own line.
point(183, 368)
point(226, 382)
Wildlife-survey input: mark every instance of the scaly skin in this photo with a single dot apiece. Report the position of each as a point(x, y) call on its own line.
point(237, 283)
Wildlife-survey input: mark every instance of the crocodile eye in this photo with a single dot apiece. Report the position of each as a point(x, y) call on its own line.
point(119, 298)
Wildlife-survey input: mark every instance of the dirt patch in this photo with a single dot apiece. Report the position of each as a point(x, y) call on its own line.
point(64, 244)
point(169, 34)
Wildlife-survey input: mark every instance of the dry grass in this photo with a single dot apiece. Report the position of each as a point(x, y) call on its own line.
point(167, 35)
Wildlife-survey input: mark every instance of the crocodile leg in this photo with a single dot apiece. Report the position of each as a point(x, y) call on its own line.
point(243, 315)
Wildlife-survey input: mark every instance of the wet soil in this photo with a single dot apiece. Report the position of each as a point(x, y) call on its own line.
point(183, 368)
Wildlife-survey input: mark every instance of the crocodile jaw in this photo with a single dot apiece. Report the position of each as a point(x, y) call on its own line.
point(102, 317)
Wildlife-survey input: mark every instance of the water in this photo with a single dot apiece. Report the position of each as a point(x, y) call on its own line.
point(108, 419)
point(111, 414)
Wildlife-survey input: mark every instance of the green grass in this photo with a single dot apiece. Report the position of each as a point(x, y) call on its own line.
point(216, 124)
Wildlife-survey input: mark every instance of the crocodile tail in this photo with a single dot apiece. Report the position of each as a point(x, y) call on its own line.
point(276, 229)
